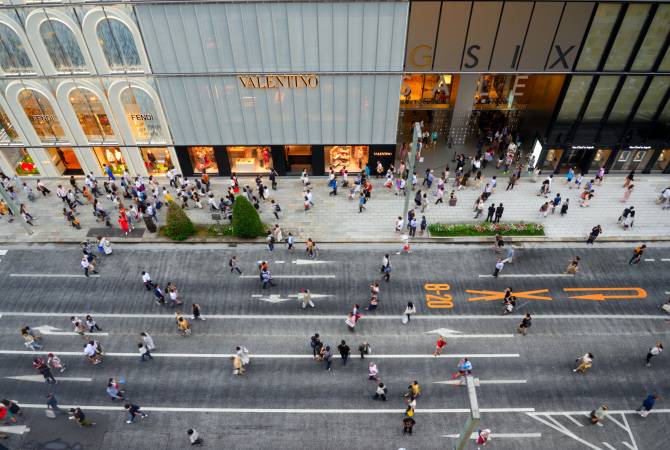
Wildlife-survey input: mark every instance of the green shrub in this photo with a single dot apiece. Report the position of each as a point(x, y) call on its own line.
point(179, 227)
point(246, 221)
point(486, 229)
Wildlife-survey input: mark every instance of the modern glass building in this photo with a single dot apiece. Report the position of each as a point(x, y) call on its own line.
point(241, 86)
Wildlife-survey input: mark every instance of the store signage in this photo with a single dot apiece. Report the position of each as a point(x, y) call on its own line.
point(640, 147)
point(141, 117)
point(44, 117)
point(583, 147)
point(279, 81)
point(382, 153)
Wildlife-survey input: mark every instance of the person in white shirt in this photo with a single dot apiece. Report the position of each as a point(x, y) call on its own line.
point(148, 341)
point(146, 279)
point(399, 225)
point(91, 353)
point(654, 351)
point(194, 437)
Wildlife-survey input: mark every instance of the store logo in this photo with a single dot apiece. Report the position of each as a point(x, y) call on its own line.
point(279, 81)
point(382, 153)
point(44, 117)
point(141, 117)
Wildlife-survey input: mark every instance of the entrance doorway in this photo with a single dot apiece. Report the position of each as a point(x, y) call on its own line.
point(65, 160)
point(298, 157)
point(630, 159)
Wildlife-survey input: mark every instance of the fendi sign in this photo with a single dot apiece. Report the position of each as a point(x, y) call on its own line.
point(279, 81)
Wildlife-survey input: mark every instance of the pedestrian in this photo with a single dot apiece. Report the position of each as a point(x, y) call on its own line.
point(499, 266)
point(414, 389)
point(598, 414)
point(145, 353)
point(345, 351)
point(328, 357)
point(654, 351)
point(183, 325)
point(54, 362)
point(573, 266)
point(12, 409)
point(381, 392)
point(238, 367)
point(113, 390)
point(627, 193)
point(266, 278)
point(91, 324)
point(512, 181)
point(629, 179)
point(595, 231)
point(78, 415)
point(564, 207)
point(30, 339)
point(276, 209)
point(133, 411)
point(193, 436)
point(364, 349)
point(158, 293)
point(647, 405)
point(483, 437)
point(408, 421)
point(637, 254)
point(464, 369)
point(316, 344)
point(585, 363)
point(195, 312)
point(386, 267)
point(146, 279)
point(52, 404)
point(123, 223)
point(499, 213)
point(91, 353)
point(290, 241)
point(439, 345)
point(491, 212)
point(409, 310)
point(148, 341)
point(87, 266)
point(373, 372)
point(243, 353)
point(269, 241)
point(232, 263)
point(423, 226)
point(525, 324)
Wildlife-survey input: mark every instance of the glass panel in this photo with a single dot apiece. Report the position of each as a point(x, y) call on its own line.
point(110, 157)
point(7, 132)
point(653, 41)
point(352, 158)
point(552, 159)
point(249, 159)
point(41, 115)
point(663, 160)
point(203, 160)
point(600, 98)
point(13, 57)
point(157, 160)
point(64, 159)
point(627, 97)
point(418, 90)
point(91, 115)
point(118, 45)
point(599, 34)
point(62, 46)
point(652, 99)
point(142, 115)
point(21, 160)
point(627, 36)
point(601, 157)
point(665, 64)
point(574, 98)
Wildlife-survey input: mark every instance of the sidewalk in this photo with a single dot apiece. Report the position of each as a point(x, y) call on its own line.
point(336, 218)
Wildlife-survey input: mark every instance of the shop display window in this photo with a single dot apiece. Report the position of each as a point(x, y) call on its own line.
point(112, 157)
point(21, 160)
point(354, 158)
point(91, 115)
point(552, 159)
point(156, 159)
point(7, 132)
point(419, 89)
point(250, 159)
point(203, 160)
point(65, 160)
point(663, 160)
point(600, 158)
point(142, 115)
point(41, 115)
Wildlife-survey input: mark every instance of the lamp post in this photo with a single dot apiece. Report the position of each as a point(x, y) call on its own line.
point(473, 420)
point(11, 204)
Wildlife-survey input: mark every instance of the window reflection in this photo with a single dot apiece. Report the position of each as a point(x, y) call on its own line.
point(7, 132)
point(118, 45)
point(652, 99)
point(627, 36)
point(654, 39)
point(142, 115)
point(41, 115)
point(91, 115)
point(574, 98)
point(13, 57)
point(62, 46)
point(599, 34)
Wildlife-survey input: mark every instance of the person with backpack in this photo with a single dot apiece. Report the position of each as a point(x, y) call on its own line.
point(232, 263)
point(637, 254)
point(316, 344)
point(276, 209)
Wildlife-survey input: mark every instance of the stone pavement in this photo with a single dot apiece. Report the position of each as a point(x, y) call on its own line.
point(336, 218)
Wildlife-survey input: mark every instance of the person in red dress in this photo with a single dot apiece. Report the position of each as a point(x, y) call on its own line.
point(123, 223)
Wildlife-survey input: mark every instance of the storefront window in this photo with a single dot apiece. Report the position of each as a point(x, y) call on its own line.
point(653, 41)
point(298, 157)
point(7, 132)
point(599, 34)
point(91, 115)
point(64, 159)
point(19, 158)
point(203, 160)
point(62, 46)
point(632, 158)
point(350, 157)
point(425, 89)
point(41, 115)
point(627, 36)
point(663, 160)
point(601, 157)
point(157, 160)
point(250, 159)
point(112, 157)
point(552, 159)
point(142, 115)
point(118, 45)
point(13, 57)
point(572, 103)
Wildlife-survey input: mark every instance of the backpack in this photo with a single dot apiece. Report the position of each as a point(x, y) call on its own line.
point(277, 207)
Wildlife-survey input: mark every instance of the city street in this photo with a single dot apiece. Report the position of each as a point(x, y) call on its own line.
point(528, 394)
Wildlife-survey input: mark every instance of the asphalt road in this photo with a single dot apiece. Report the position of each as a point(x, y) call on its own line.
point(529, 396)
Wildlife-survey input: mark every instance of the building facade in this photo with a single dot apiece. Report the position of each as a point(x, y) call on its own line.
point(242, 86)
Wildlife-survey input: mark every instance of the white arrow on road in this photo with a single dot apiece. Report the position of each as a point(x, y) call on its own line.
point(16, 429)
point(443, 331)
point(48, 329)
point(499, 435)
point(40, 378)
point(276, 298)
point(479, 382)
point(302, 262)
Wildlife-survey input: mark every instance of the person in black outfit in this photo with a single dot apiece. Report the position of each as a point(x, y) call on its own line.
point(491, 212)
point(345, 351)
point(499, 213)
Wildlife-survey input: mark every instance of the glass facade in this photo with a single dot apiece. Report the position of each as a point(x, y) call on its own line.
point(425, 90)
point(598, 36)
point(142, 116)
point(13, 56)
point(118, 45)
point(21, 160)
point(7, 132)
point(157, 160)
point(627, 36)
point(91, 115)
point(65, 161)
point(62, 46)
point(111, 157)
point(653, 40)
point(574, 97)
point(42, 116)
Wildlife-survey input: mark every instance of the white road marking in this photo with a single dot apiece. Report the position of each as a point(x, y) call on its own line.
point(15, 429)
point(443, 331)
point(529, 275)
point(499, 435)
point(302, 262)
point(553, 423)
point(665, 259)
point(3, 252)
point(277, 298)
point(342, 317)
point(650, 260)
point(628, 445)
point(52, 275)
point(290, 276)
point(609, 412)
point(48, 329)
point(269, 356)
point(608, 446)
point(40, 378)
point(575, 421)
point(479, 382)
point(284, 410)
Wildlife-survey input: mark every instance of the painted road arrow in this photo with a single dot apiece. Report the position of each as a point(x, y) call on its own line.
point(442, 332)
point(16, 429)
point(48, 329)
point(639, 293)
point(40, 378)
point(274, 298)
point(480, 382)
point(302, 262)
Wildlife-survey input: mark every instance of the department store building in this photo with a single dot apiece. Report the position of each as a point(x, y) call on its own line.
point(240, 86)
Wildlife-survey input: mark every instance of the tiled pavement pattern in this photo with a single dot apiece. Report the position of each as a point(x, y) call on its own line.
point(336, 218)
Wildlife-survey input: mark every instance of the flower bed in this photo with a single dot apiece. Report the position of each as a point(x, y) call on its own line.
point(486, 229)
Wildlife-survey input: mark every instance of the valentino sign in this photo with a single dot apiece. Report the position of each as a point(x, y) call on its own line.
point(279, 81)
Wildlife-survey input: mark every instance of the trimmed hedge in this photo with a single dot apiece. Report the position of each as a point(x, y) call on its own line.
point(486, 229)
point(179, 227)
point(246, 221)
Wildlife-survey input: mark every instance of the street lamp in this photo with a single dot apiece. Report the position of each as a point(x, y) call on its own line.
point(474, 418)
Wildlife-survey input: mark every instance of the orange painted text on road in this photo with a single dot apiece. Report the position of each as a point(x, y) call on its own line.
point(437, 299)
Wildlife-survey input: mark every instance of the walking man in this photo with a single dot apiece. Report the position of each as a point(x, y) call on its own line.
point(133, 411)
point(499, 266)
point(585, 363)
point(491, 212)
point(381, 392)
point(145, 353)
point(637, 254)
point(499, 213)
point(647, 405)
point(232, 263)
point(345, 351)
point(524, 325)
point(654, 351)
point(328, 357)
point(594, 234)
point(439, 345)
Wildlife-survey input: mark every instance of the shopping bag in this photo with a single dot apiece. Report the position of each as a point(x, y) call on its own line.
point(50, 414)
point(404, 320)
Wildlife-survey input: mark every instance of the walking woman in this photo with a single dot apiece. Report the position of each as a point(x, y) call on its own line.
point(123, 223)
point(409, 310)
point(26, 216)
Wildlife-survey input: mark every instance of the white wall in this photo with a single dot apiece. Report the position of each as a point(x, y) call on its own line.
point(343, 109)
point(274, 37)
